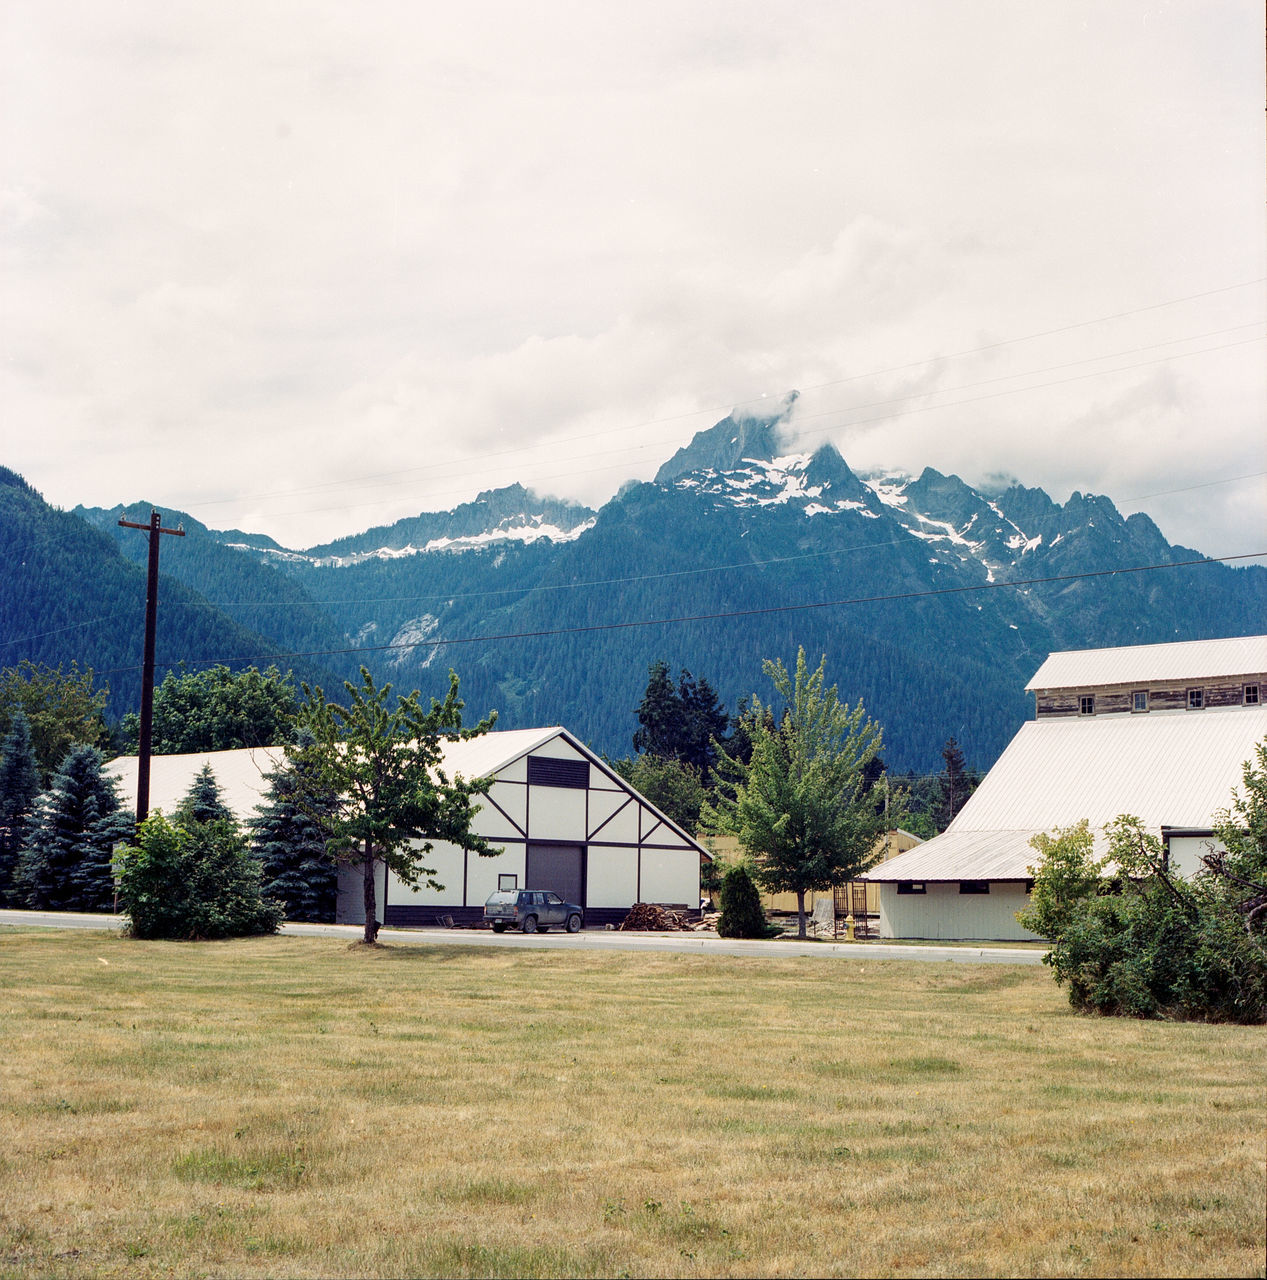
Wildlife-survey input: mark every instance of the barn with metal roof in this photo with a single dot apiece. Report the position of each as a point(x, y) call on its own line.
point(1157, 731)
point(561, 818)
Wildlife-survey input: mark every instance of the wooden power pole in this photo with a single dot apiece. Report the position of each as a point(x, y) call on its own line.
point(155, 528)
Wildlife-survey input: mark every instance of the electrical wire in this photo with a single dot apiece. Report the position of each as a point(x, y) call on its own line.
point(754, 400)
point(701, 617)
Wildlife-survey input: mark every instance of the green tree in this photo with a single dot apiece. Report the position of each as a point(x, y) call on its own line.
point(672, 786)
point(203, 802)
point(385, 765)
point(660, 718)
point(62, 709)
point(741, 912)
point(954, 785)
point(219, 710)
point(65, 865)
point(683, 723)
point(1131, 938)
point(19, 787)
point(801, 807)
point(192, 881)
point(289, 839)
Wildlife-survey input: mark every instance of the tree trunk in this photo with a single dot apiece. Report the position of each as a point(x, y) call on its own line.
point(371, 903)
point(800, 913)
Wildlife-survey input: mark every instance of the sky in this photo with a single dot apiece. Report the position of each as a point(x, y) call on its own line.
point(306, 268)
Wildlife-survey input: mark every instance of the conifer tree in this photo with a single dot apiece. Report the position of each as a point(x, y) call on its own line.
point(65, 865)
point(19, 787)
point(203, 801)
point(289, 839)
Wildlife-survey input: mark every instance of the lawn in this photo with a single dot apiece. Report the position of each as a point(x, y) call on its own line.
point(294, 1107)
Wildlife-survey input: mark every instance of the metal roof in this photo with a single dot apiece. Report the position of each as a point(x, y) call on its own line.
point(1152, 663)
point(1172, 769)
point(240, 773)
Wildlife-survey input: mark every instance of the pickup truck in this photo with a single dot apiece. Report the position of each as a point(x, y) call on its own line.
point(531, 910)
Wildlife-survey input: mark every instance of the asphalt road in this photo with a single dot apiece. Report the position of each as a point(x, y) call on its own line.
point(707, 944)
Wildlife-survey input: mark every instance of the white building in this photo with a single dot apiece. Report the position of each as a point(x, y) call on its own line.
point(1157, 731)
point(560, 817)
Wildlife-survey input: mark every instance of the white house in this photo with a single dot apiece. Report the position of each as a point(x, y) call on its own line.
point(560, 817)
point(1157, 731)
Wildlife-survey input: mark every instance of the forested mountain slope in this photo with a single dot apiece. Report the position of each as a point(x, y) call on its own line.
point(67, 593)
point(741, 549)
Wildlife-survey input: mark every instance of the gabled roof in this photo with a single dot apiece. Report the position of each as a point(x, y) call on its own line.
point(1152, 663)
point(242, 780)
point(1170, 769)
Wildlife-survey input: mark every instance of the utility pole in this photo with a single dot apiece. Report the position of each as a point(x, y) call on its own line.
point(155, 528)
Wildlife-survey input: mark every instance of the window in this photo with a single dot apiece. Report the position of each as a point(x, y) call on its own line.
point(911, 886)
point(1196, 699)
point(1139, 700)
point(974, 886)
point(507, 880)
point(1086, 704)
point(1251, 695)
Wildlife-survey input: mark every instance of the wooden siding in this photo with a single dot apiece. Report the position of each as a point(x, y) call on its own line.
point(1118, 700)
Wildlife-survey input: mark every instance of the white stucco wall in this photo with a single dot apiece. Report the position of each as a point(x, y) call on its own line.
point(944, 912)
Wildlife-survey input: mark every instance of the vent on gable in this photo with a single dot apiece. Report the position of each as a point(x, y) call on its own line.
point(543, 771)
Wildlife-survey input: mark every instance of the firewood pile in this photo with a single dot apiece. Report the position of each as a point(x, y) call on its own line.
point(646, 915)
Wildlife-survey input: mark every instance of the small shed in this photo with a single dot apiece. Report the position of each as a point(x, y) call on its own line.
point(561, 818)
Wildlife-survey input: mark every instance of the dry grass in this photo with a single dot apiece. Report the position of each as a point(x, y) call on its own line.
point(292, 1107)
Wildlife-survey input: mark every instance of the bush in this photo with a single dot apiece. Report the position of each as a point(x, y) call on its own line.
point(1143, 943)
point(741, 912)
point(195, 881)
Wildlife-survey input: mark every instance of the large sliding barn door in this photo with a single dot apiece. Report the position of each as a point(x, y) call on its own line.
point(560, 867)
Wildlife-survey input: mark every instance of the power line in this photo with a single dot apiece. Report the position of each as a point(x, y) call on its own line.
point(755, 400)
point(650, 577)
point(702, 617)
point(883, 417)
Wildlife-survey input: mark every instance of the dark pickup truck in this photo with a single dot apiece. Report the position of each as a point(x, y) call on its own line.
point(531, 910)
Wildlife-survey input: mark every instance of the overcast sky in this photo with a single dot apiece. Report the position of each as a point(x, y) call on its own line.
point(303, 268)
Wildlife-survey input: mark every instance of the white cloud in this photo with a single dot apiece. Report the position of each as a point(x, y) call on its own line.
point(255, 249)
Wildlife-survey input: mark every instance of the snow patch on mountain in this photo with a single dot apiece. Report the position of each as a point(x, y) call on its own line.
point(523, 529)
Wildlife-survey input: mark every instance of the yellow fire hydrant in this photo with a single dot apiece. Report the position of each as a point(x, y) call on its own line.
point(849, 927)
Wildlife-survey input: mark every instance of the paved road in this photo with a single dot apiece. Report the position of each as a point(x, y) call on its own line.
point(707, 944)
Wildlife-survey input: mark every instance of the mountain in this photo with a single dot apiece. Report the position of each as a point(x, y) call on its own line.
point(743, 547)
point(68, 593)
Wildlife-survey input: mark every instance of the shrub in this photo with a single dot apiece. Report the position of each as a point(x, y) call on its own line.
point(741, 912)
point(1141, 942)
point(195, 881)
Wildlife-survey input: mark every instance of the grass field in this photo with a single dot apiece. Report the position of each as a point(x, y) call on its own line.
point(293, 1107)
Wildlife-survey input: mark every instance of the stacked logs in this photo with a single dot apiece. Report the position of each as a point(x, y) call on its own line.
point(646, 915)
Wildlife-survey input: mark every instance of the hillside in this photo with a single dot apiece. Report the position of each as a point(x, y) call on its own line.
point(741, 548)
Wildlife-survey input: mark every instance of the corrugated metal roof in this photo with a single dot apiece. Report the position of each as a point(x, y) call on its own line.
point(241, 773)
point(1173, 769)
point(1152, 663)
point(965, 855)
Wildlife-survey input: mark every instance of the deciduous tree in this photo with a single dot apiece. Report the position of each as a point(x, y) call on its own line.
point(801, 806)
point(219, 710)
point(62, 708)
point(385, 765)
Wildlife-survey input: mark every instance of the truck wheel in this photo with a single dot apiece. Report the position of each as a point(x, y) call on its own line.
point(530, 924)
point(574, 923)
point(499, 928)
